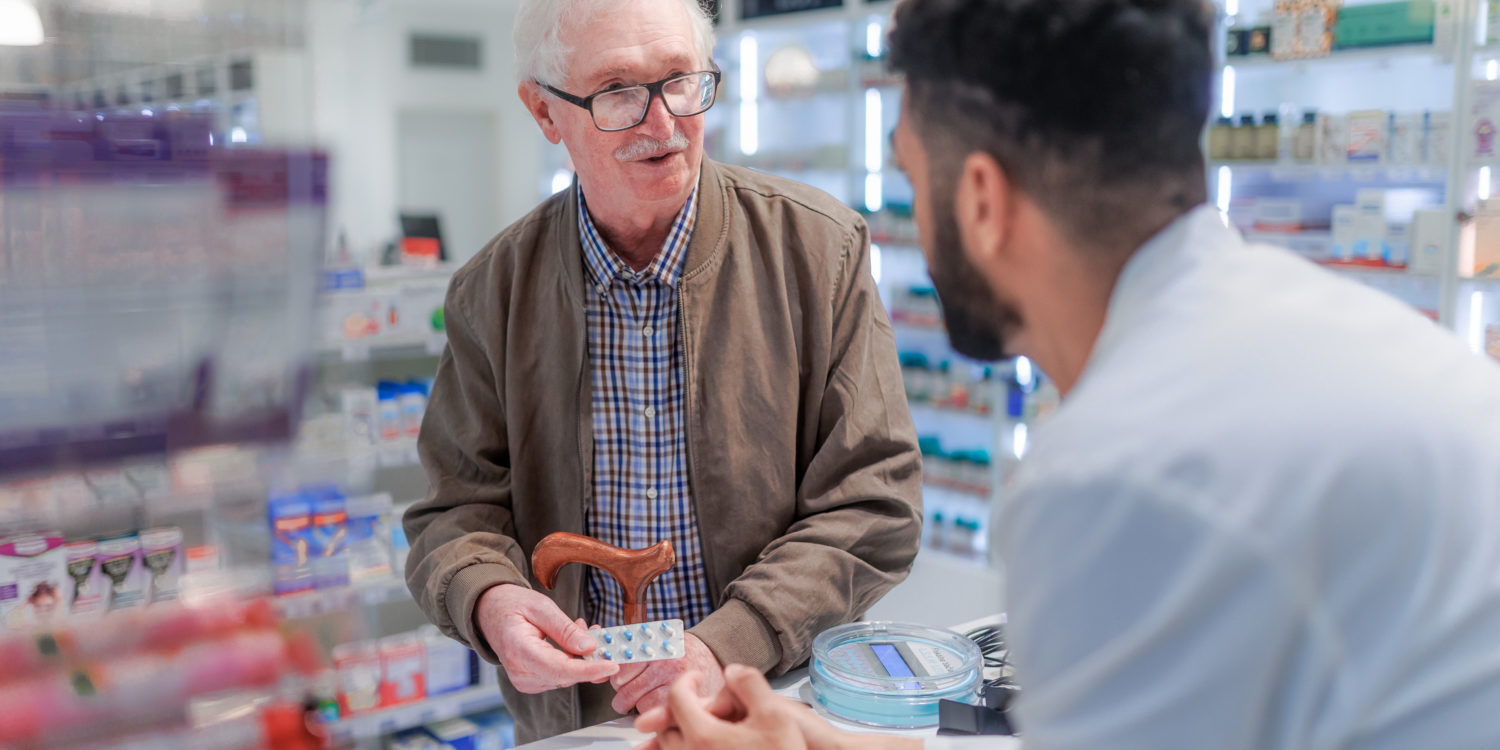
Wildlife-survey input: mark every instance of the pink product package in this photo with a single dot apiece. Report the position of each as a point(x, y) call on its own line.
point(33, 569)
point(88, 587)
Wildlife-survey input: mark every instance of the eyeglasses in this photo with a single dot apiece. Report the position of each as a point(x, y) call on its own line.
point(624, 108)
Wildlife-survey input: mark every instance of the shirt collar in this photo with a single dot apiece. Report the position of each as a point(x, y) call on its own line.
point(604, 265)
point(1195, 238)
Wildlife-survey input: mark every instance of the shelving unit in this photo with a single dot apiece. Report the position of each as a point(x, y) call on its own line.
point(372, 726)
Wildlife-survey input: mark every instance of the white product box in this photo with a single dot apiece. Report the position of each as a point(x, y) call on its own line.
point(1438, 139)
point(447, 662)
point(1479, 246)
point(1369, 235)
point(361, 415)
point(1333, 139)
point(1431, 231)
point(1484, 137)
point(455, 734)
point(1407, 134)
point(1369, 135)
point(33, 576)
point(1278, 215)
point(1343, 229)
point(1398, 245)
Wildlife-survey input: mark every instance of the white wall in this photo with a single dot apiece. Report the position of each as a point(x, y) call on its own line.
point(362, 83)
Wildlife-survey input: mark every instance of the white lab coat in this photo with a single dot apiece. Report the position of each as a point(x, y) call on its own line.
point(1268, 517)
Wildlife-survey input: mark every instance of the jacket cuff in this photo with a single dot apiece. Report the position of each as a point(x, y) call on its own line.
point(462, 599)
point(737, 634)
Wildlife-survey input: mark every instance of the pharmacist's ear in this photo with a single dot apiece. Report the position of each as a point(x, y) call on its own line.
point(540, 108)
point(982, 207)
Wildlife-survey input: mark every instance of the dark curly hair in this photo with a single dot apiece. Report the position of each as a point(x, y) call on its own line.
point(1095, 108)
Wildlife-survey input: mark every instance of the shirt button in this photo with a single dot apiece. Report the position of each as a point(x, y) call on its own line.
point(647, 331)
point(651, 493)
point(650, 412)
point(599, 288)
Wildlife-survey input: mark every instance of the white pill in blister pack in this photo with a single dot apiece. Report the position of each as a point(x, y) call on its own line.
point(632, 644)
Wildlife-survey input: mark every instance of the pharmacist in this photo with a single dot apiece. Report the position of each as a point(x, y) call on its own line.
point(673, 349)
point(1267, 514)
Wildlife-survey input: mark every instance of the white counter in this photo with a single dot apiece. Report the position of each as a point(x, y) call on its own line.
point(621, 735)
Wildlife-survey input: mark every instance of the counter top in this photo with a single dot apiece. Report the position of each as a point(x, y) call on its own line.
point(620, 734)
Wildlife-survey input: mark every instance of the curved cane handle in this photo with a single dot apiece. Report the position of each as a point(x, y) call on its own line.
point(634, 569)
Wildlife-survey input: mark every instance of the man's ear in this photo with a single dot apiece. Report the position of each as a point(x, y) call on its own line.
point(982, 207)
point(540, 108)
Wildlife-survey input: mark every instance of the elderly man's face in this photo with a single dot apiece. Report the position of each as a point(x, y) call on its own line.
point(656, 162)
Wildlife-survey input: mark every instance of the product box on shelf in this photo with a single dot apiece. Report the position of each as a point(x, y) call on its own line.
point(120, 559)
point(403, 669)
point(1398, 245)
point(328, 549)
point(88, 587)
point(291, 530)
point(448, 663)
point(1278, 215)
point(1408, 133)
point(497, 729)
point(358, 666)
point(1431, 231)
point(369, 538)
point(1492, 341)
point(1438, 144)
point(1479, 242)
point(413, 739)
point(161, 554)
point(1485, 117)
point(456, 734)
point(1344, 233)
point(1333, 139)
point(33, 571)
point(1369, 132)
point(360, 407)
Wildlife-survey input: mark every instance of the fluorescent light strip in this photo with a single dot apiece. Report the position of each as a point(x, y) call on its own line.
point(1231, 7)
point(1023, 371)
point(749, 127)
point(749, 68)
point(1492, 70)
point(872, 39)
point(875, 261)
point(874, 147)
point(1226, 186)
point(1476, 322)
point(1226, 92)
point(874, 192)
point(1019, 439)
point(1484, 183)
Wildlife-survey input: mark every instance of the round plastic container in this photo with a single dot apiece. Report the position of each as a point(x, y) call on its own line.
point(892, 675)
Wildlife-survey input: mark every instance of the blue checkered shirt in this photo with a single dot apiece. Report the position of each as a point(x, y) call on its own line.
point(641, 489)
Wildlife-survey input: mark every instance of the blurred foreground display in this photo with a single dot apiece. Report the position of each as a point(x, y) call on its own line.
point(156, 292)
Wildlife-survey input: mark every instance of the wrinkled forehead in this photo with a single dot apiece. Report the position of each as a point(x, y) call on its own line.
point(636, 41)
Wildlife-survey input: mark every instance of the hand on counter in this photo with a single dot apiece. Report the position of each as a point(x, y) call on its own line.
point(747, 713)
point(642, 687)
point(517, 623)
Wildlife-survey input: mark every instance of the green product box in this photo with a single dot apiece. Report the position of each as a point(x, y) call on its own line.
point(1409, 22)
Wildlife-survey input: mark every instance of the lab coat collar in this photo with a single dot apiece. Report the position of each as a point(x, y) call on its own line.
point(1198, 236)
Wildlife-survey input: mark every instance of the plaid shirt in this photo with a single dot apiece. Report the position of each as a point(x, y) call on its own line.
point(641, 490)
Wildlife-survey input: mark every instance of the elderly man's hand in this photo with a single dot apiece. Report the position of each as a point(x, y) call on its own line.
point(642, 687)
point(517, 623)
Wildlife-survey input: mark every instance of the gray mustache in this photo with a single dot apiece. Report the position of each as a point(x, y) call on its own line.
point(647, 146)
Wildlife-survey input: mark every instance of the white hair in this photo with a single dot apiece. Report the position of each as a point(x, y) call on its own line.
point(541, 54)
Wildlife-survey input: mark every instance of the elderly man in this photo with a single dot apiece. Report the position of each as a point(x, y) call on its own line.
point(1265, 516)
point(673, 349)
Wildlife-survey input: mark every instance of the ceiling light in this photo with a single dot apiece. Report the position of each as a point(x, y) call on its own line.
point(20, 24)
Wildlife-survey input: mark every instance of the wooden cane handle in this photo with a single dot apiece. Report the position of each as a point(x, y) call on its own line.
point(634, 569)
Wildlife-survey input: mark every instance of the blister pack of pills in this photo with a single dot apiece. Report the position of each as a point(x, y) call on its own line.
point(633, 644)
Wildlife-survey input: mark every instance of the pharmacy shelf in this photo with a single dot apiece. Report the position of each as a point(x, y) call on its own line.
point(1384, 174)
point(438, 708)
point(1374, 269)
point(385, 348)
point(919, 407)
point(917, 324)
point(982, 491)
point(1485, 285)
point(318, 603)
point(1365, 56)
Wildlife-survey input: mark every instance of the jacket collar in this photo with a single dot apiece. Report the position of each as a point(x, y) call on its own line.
point(710, 230)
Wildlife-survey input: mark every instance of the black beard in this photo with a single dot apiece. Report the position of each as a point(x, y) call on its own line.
point(977, 321)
